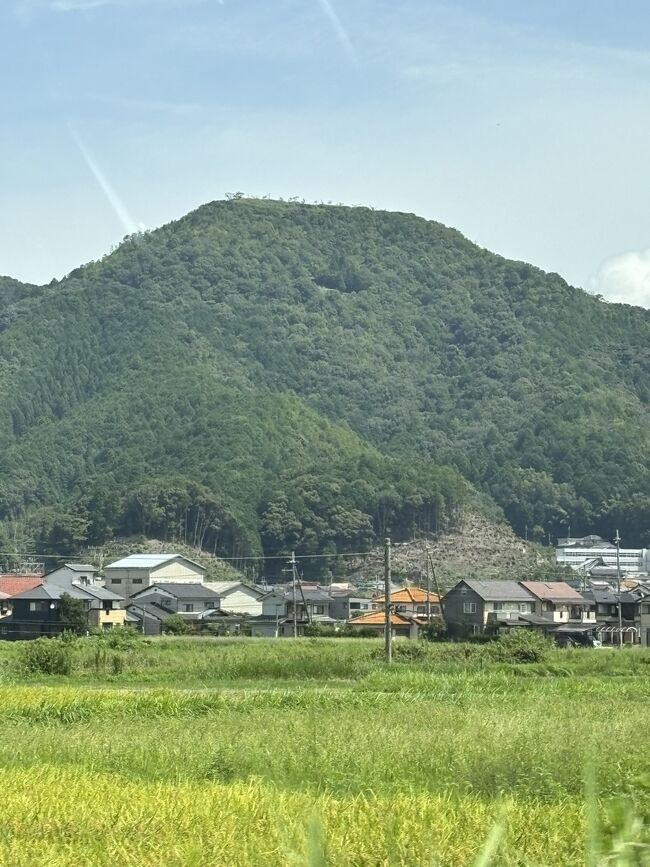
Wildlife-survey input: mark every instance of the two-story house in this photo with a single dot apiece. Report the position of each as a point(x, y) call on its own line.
point(348, 602)
point(37, 612)
point(239, 597)
point(178, 598)
point(558, 602)
point(606, 603)
point(133, 573)
point(411, 601)
point(474, 606)
point(77, 574)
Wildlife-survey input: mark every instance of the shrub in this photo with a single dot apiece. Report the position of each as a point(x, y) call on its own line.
point(174, 624)
point(318, 630)
point(435, 631)
point(122, 638)
point(520, 646)
point(46, 656)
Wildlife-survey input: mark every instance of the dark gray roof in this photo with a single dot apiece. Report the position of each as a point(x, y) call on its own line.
point(309, 595)
point(81, 567)
point(51, 591)
point(100, 592)
point(149, 610)
point(575, 627)
point(536, 620)
point(609, 597)
point(185, 590)
point(500, 591)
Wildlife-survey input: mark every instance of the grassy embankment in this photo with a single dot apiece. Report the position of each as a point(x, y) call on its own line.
point(243, 752)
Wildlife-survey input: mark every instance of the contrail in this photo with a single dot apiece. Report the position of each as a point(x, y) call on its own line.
point(114, 200)
point(339, 29)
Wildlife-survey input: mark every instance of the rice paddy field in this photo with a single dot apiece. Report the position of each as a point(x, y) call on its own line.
point(252, 752)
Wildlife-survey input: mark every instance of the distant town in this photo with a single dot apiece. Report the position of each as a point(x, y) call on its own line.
point(605, 601)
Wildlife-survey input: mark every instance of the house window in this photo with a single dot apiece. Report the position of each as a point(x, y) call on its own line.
point(475, 628)
point(497, 606)
point(422, 609)
point(116, 580)
point(524, 607)
point(469, 607)
point(319, 609)
point(463, 591)
point(189, 607)
point(354, 605)
point(33, 606)
point(137, 581)
point(209, 605)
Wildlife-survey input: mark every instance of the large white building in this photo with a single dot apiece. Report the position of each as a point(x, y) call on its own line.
point(138, 571)
point(576, 553)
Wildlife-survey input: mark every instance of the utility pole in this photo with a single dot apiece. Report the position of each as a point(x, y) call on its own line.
point(387, 624)
point(617, 542)
point(428, 608)
point(438, 593)
point(293, 589)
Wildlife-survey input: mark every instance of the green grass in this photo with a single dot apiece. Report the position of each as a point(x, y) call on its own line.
point(243, 752)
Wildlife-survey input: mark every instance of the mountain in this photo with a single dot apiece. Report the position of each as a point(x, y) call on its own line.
point(266, 375)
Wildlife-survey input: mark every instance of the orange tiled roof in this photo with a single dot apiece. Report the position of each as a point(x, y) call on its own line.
point(378, 618)
point(410, 595)
point(12, 585)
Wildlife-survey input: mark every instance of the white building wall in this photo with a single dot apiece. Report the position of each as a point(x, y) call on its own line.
point(633, 560)
point(240, 600)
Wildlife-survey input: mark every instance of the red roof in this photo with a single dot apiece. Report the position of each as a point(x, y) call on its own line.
point(413, 595)
point(12, 585)
point(378, 618)
point(552, 590)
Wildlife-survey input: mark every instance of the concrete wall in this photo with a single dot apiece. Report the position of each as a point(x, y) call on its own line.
point(126, 582)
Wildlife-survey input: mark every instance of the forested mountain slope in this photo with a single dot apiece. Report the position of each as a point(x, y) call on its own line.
point(278, 374)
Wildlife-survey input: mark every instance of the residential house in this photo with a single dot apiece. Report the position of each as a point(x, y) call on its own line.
point(73, 574)
point(312, 605)
point(106, 608)
point(178, 598)
point(607, 615)
point(36, 612)
point(473, 606)
point(11, 585)
point(146, 618)
point(138, 571)
point(401, 625)
point(411, 601)
point(239, 597)
point(347, 603)
point(558, 602)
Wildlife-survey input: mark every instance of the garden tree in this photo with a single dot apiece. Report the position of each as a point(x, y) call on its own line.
point(173, 624)
point(268, 376)
point(73, 614)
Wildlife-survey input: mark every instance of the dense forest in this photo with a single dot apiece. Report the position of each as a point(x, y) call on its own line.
point(261, 376)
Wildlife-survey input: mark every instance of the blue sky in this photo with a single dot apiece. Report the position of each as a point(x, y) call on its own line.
point(524, 125)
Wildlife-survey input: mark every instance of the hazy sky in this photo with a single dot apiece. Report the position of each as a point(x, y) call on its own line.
point(523, 124)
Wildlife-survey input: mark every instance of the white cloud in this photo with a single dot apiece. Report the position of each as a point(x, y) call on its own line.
point(625, 279)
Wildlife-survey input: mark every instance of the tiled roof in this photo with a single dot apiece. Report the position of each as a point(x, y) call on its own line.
point(413, 595)
point(378, 618)
point(12, 585)
point(51, 591)
point(223, 587)
point(183, 590)
point(552, 590)
point(499, 591)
